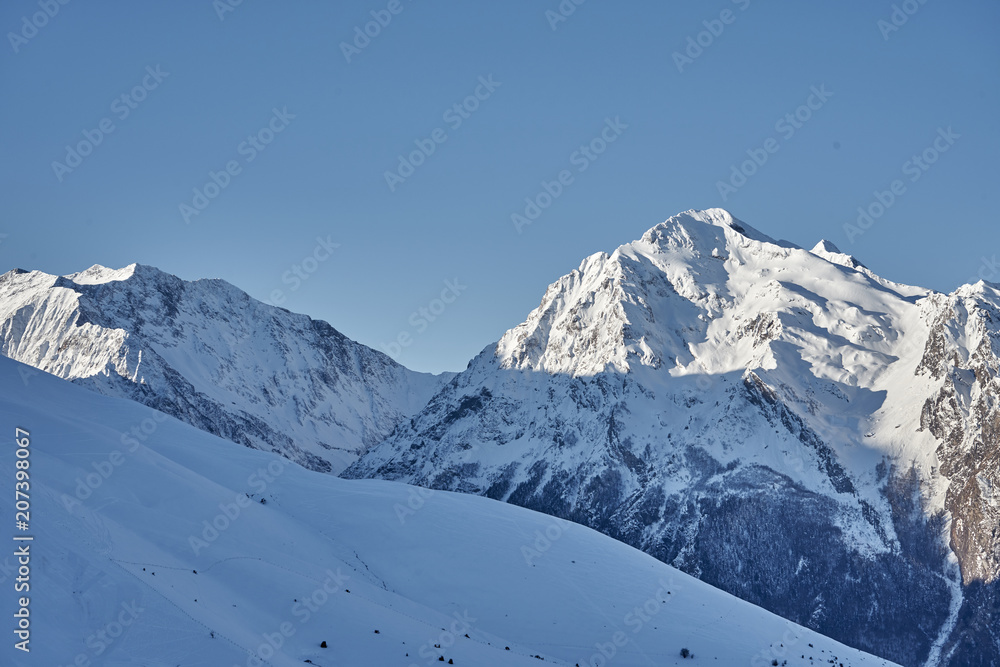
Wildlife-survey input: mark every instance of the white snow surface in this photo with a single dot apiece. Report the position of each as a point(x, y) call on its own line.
point(118, 491)
point(208, 353)
point(700, 303)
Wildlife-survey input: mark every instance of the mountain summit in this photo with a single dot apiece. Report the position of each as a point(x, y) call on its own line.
point(208, 354)
point(781, 423)
point(683, 296)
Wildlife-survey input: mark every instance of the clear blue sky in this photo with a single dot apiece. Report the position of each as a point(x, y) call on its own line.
point(323, 175)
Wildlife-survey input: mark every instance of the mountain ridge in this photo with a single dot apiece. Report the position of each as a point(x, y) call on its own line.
point(781, 423)
point(705, 379)
point(190, 550)
point(208, 353)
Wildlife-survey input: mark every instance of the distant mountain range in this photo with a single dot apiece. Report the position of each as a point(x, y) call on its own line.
point(185, 549)
point(781, 423)
point(208, 354)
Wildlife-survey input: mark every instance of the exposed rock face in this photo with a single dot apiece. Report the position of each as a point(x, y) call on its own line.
point(783, 424)
point(208, 354)
point(964, 414)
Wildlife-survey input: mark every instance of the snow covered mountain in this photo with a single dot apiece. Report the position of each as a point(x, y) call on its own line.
point(208, 354)
point(185, 549)
point(783, 424)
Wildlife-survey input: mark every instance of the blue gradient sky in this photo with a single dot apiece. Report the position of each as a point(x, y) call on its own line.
point(324, 174)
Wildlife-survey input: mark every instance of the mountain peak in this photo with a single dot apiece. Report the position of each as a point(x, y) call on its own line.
point(604, 314)
point(653, 302)
point(98, 274)
point(833, 254)
point(207, 353)
point(707, 232)
point(825, 246)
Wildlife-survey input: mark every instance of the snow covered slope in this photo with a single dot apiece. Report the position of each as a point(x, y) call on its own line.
point(781, 423)
point(210, 355)
point(175, 547)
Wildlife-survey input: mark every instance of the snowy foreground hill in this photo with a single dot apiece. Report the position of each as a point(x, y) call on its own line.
point(157, 544)
point(210, 355)
point(781, 423)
